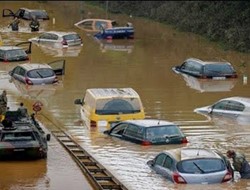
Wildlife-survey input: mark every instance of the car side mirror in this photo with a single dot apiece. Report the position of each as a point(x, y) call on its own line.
point(11, 72)
point(48, 137)
point(106, 132)
point(78, 102)
point(151, 162)
point(210, 109)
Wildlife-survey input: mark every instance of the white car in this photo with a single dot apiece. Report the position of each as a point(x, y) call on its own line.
point(37, 74)
point(58, 39)
point(192, 166)
point(232, 107)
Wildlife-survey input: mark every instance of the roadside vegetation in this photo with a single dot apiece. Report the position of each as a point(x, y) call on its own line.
point(225, 22)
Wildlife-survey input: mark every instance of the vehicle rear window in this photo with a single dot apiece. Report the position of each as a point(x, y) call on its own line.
point(39, 14)
point(41, 73)
point(71, 37)
point(212, 69)
point(20, 136)
point(14, 54)
point(117, 106)
point(162, 132)
point(201, 165)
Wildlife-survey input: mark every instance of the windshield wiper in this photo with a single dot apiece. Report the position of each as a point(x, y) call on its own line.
point(202, 171)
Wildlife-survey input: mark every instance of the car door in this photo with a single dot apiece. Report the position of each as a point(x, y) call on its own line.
point(8, 13)
point(26, 46)
point(161, 165)
point(133, 133)
point(18, 73)
point(58, 66)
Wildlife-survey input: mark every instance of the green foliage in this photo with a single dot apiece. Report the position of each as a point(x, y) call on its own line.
point(226, 22)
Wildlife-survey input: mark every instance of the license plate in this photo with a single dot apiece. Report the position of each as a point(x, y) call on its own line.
point(102, 123)
point(19, 150)
point(219, 78)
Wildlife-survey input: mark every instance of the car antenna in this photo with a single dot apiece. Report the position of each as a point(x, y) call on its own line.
point(198, 152)
point(158, 122)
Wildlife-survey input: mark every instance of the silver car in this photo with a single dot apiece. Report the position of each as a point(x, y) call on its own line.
point(57, 39)
point(232, 107)
point(192, 166)
point(37, 74)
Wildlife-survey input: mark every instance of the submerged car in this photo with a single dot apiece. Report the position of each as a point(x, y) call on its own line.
point(58, 39)
point(104, 106)
point(206, 69)
point(232, 107)
point(22, 138)
point(148, 132)
point(37, 74)
point(26, 14)
point(192, 166)
point(15, 53)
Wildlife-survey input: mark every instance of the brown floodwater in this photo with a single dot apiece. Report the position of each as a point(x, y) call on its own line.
point(144, 64)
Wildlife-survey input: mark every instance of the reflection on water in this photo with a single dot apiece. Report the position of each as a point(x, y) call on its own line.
point(22, 174)
point(208, 85)
point(116, 45)
point(165, 95)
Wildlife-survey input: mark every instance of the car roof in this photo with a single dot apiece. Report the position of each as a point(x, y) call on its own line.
point(243, 100)
point(149, 122)
point(18, 128)
point(32, 10)
point(30, 66)
point(208, 62)
point(59, 33)
point(6, 48)
point(181, 154)
point(112, 92)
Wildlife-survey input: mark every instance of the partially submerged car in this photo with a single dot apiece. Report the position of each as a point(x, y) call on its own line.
point(22, 138)
point(148, 132)
point(231, 107)
point(95, 25)
point(38, 73)
point(118, 32)
point(58, 39)
point(18, 52)
point(192, 166)
point(26, 14)
point(206, 69)
point(103, 106)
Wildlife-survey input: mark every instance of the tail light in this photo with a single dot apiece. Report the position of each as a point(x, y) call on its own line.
point(146, 143)
point(227, 177)
point(55, 80)
point(92, 123)
point(28, 81)
point(178, 179)
point(184, 140)
point(64, 43)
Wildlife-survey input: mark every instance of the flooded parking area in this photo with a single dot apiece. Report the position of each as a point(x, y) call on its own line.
point(146, 67)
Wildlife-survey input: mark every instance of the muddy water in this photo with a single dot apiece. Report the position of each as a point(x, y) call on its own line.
point(146, 67)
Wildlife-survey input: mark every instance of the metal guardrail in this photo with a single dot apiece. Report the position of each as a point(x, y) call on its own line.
point(99, 177)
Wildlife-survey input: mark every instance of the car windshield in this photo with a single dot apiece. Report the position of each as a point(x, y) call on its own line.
point(201, 165)
point(117, 106)
point(162, 132)
point(218, 69)
point(18, 136)
point(41, 73)
point(15, 54)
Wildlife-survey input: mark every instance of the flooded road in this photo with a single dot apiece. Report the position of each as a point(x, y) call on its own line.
point(146, 67)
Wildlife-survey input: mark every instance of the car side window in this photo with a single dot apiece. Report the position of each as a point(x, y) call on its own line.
point(119, 129)
point(1, 55)
point(159, 160)
point(229, 105)
point(16, 70)
point(45, 36)
point(134, 131)
point(168, 162)
point(53, 37)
